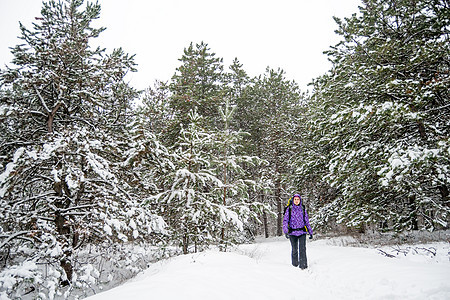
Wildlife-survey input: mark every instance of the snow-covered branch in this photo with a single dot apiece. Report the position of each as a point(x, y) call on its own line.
point(42, 100)
point(17, 235)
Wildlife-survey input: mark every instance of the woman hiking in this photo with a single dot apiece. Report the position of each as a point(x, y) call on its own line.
point(296, 226)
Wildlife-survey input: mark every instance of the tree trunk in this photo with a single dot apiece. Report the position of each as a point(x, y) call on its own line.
point(279, 206)
point(443, 189)
point(67, 266)
point(422, 132)
point(413, 213)
point(222, 234)
point(266, 226)
point(63, 230)
point(51, 117)
point(185, 243)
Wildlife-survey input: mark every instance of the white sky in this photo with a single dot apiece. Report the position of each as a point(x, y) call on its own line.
point(287, 34)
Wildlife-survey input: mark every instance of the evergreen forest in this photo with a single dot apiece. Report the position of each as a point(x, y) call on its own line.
point(95, 173)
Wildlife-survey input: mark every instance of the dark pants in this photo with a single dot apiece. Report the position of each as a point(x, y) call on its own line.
point(298, 244)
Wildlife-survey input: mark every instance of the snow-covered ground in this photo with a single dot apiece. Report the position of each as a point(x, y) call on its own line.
point(263, 271)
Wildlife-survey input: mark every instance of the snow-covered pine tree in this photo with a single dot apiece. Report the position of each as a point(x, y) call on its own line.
point(187, 200)
point(268, 110)
point(64, 184)
point(238, 86)
point(311, 162)
point(236, 208)
point(196, 85)
point(382, 116)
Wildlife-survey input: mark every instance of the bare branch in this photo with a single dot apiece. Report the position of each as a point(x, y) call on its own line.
point(386, 254)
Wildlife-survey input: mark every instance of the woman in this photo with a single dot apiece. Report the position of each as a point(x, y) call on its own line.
point(295, 227)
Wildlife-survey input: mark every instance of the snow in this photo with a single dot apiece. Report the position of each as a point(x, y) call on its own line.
point(4, 176)
point(55, 251)
point(71, 183)
point(229, 215)
point(4, 110)
point(49, 149)
point(8, 170)
point(387, 105)
point(89, 274)
point(396, 162)
point(32, 154)
point(101, 167)
point(116, 223)
point(54, 172)
point(263, 271)
point(9, 276)
point(132, 224)
point(107, 229)
point(349, 85)
point(403, 160)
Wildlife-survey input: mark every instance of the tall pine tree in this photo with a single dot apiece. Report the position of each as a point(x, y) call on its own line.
point(196, 85)
point(381, 116)
point(65, 110)
point(268, 110)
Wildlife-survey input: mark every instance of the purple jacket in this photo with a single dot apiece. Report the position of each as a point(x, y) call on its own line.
point(297, 220)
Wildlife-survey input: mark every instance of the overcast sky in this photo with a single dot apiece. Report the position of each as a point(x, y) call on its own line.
point(287, 34)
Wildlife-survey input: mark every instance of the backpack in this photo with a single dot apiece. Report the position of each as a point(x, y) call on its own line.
point(288, 207)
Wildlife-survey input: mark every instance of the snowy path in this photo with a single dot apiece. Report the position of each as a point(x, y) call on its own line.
point(263, 271)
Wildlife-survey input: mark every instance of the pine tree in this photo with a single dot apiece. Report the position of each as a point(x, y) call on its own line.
point(196, 85)
point(156, 109)
point(382, 113)
point(65, 110)
point(187, 201)
point(236, 83)
point(268, 109)
point(229, 163)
